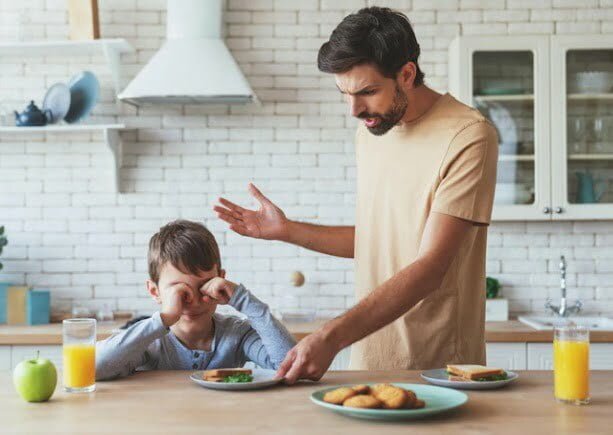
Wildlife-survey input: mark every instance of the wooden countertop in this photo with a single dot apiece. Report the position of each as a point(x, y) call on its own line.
point(52, 333)
point(510, 331)
point(168, 402)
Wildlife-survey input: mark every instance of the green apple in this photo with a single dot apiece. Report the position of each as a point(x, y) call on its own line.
point(35, 379)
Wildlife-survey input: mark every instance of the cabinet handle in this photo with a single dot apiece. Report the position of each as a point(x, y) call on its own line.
point(547, 210)
point(558, 210)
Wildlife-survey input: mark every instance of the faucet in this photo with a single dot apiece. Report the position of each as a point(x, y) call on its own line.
point(563, 310)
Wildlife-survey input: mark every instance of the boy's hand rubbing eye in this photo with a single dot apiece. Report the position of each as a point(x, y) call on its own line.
point(218, 289)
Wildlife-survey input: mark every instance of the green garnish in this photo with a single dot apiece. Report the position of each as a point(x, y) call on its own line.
point(240, 377)
point(501, 377)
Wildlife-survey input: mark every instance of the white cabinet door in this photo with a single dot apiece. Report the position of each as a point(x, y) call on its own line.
point(509, 356)
point(582, 127)
point(5, 357)
point(540, 356)
point(507, 79)
point(601, 356)
point(52, 352)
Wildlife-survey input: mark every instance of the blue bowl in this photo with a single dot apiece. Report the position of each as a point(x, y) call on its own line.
point(84, 93)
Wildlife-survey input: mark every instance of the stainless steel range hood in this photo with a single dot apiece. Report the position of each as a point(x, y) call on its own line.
point(193, 66)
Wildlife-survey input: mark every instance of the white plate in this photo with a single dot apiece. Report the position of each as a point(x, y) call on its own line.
point(262, 378)
point(57, 101)
point(441, 378)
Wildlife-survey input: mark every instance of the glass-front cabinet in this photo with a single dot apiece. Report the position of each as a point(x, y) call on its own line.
point(551, 102)
point(582, 126)
point(506, 80)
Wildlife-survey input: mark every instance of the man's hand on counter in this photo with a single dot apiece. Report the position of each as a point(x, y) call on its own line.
point(309, 359)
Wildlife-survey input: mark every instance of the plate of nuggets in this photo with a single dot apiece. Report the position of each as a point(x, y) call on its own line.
point(397, 401)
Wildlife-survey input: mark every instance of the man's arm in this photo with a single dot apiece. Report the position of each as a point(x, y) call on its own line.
point(270, 223)
point(332, 240)
point(441, 242)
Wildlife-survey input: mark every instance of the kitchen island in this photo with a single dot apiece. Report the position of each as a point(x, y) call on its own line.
point(168, 402)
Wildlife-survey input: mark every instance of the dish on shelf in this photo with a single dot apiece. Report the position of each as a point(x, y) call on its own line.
point(84, 92)
point(57, 101)
point(505, 126)
point(593, 81)
point(513, 193)
point(502, 86)
point(508, 148)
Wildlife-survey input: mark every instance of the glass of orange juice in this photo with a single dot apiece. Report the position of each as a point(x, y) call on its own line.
point(79, 338)
point(571, 364)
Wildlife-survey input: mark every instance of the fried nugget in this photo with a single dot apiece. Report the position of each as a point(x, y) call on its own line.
point(393, 397)
point(411, 398)
point(361, 389)
point(419, 404)
point(339, 395)
point(378, 387)
point(363, 401)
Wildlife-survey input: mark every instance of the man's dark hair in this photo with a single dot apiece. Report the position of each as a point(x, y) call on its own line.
point(379, 36)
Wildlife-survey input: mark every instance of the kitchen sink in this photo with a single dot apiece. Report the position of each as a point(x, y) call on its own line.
point(544, 323)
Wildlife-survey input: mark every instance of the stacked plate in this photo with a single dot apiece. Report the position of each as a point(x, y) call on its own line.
point(72, 102)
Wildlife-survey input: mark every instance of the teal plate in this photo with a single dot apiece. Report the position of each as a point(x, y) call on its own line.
point(437, 400)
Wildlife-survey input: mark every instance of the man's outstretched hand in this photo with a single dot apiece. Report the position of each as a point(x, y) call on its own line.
point(269, 222)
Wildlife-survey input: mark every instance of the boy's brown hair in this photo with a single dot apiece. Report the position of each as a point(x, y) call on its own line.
point(188, 246)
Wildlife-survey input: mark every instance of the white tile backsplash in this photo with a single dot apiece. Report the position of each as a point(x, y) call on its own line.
point(68, 232)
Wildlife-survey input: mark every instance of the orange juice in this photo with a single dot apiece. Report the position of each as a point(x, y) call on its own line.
point(79, 365)
point(571, 361)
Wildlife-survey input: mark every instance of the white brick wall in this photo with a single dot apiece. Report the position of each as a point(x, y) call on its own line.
point(67, 232)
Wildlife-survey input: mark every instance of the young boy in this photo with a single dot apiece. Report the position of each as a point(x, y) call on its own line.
point(187, 280)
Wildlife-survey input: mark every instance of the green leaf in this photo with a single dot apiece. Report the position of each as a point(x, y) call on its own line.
point(238, 378)
point(492, 287)
point(500, 377)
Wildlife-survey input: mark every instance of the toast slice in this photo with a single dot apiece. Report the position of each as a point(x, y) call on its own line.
point(222, 373)
point(213, 379)
point(472, 371)
point(457, 378)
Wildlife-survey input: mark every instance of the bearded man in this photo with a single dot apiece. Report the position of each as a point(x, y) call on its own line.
point(426, 173)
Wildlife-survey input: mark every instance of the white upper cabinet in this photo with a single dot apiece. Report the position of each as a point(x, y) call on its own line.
point(582, 126)
point(551, 101)
point(507, 79)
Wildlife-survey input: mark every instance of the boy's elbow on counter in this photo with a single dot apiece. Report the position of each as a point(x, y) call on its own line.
point(105, 369)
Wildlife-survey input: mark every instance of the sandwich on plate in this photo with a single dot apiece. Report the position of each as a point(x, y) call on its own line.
point(228, 375)
point(473, 372)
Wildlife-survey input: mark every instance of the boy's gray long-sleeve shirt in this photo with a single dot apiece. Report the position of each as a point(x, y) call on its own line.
point(149, 345)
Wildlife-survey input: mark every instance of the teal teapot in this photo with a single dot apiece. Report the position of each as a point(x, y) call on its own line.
point(32, 116)
point(587, 190)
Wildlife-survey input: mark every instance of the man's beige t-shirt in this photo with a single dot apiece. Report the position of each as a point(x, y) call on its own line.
point(443, 162)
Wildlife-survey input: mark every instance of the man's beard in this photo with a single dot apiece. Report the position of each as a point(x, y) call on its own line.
point(390, 118)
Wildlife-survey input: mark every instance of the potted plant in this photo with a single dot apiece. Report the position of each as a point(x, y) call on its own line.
point(496, 309)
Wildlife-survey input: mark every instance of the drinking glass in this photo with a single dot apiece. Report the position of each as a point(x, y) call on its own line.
point(571, 361)
point(79, 350)
point(577, 132)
